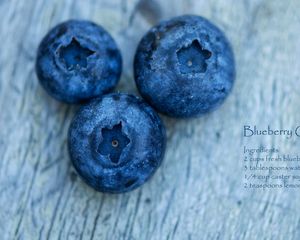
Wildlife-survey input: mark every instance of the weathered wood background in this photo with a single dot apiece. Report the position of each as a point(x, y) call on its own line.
point(198, 191)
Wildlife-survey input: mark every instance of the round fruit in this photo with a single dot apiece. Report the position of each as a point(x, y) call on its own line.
point(184, 67)
point(116, 142)
point(78, 60)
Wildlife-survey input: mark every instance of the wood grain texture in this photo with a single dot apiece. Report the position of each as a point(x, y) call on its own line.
point(198, 192)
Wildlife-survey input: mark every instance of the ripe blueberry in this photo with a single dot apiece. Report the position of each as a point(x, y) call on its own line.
point(184, 67)
point(78, 60)
point(116, 142)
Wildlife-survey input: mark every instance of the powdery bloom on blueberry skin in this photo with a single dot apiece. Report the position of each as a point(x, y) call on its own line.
point(184, 67)
point(78, 60)
point(116, 142)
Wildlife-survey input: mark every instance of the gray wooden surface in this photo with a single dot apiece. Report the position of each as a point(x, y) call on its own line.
point(198, 191)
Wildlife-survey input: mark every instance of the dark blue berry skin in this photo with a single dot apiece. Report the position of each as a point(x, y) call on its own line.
point(78, 60)
point(184, 67)
point(116, 142)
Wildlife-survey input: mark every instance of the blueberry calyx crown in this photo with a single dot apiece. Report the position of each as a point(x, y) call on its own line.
point(75, 55)
point(193, 58)
point(114, 140)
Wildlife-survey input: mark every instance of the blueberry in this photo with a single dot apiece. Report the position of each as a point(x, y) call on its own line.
point(184, 67)
point(78, 60)
point(116, 142)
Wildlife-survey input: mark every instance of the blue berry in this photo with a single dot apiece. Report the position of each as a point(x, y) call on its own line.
point(184, 67)
point(78, 60)
point(116, 142)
